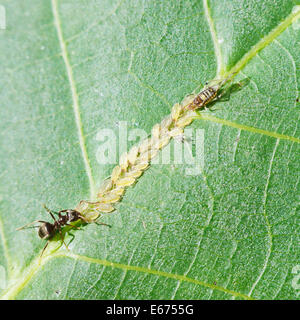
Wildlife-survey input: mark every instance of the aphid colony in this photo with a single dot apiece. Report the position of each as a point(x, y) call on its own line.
point(131, 164)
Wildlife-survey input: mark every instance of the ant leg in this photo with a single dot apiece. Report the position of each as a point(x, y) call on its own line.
point(65, 210)
point(46, 245)
point(28, 224)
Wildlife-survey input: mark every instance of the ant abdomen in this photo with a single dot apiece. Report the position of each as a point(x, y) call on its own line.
point(46, 230)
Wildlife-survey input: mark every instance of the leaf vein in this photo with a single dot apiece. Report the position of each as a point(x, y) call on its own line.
point(151, 271)
point(267, 221)
point(218, 54)
point(248, 128)
point(75, 100)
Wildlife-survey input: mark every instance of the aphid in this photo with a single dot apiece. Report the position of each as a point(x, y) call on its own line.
point(207, 95)
point(162, 142)
point(166, 123)
point(48, 230)
point(176, 110)
point(116, 173)
point(132, 155)
point(142, 166)
point(134, 173)
point(186, 120)
point(175, 132)
point(99, 206)
point(125, 182)
point(106, 186)
point(156, 131)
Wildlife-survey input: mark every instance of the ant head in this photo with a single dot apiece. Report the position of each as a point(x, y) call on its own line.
point(46, 230)
point(71, 214)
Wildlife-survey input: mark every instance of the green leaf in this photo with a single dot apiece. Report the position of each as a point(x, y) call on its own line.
point(71, 68)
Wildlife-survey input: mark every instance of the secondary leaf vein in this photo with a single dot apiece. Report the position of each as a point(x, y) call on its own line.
point(267, 221)
point(151, 271)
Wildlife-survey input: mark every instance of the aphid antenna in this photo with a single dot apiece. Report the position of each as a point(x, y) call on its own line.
point(229, 77)
point(220, 82)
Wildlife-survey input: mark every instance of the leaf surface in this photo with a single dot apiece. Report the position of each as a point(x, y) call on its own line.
point(69, 69)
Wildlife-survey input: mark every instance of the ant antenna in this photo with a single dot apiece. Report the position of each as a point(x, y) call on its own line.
point(49, 211)
point(28, 224)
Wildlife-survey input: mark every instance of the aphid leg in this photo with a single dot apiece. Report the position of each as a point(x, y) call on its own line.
point(104, 224)
point(206, 109)
point(181, 138)
point(73, 237)
point(70, 225)
point(213, 109)
point(62, 238)
point(89, 202)
point(223, 97)
point(87, 221)
point(28, 224)
point(225, 93)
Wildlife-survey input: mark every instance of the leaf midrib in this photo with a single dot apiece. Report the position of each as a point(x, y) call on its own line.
point(75, 99)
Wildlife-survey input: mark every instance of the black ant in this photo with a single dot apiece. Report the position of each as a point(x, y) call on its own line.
point(48, 230)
